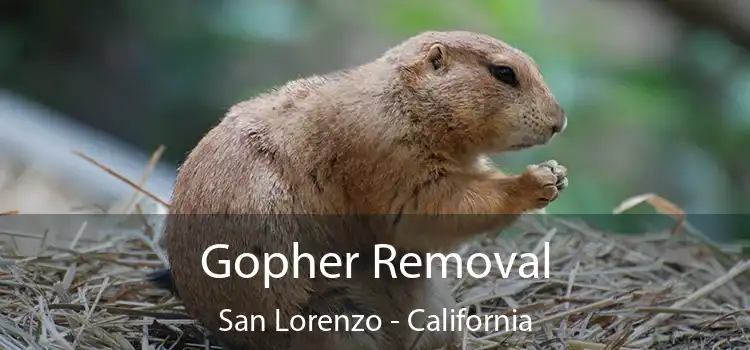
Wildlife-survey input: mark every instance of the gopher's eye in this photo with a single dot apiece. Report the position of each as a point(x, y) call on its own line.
point(504, 74)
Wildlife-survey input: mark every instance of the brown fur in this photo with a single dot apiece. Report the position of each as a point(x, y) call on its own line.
point(404, 134)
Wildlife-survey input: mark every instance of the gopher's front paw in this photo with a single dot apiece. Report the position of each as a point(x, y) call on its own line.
point(542, 183)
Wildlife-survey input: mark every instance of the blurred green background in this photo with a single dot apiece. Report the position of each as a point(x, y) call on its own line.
point(657, 92)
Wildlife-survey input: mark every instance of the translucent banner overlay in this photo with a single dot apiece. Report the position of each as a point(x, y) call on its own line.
point(297, 278)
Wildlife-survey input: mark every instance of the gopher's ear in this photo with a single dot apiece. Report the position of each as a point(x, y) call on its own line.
point(437, 57)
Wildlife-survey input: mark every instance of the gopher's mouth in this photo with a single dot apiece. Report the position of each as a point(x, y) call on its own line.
point(530, 142)
point(520, 146)
point(524, 141)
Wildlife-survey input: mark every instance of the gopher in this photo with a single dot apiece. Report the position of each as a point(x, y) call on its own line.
point(389, 152)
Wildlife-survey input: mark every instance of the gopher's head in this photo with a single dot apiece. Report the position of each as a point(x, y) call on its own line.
point(478, 90)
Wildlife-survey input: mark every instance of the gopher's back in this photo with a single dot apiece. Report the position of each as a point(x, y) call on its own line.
point(252, 183)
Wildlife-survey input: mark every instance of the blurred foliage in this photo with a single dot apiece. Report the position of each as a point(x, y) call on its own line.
point(154, 72)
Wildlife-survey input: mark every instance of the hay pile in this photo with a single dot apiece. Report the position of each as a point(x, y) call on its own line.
point(659, 291)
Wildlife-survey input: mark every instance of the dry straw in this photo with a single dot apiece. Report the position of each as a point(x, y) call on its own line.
point(662, 290)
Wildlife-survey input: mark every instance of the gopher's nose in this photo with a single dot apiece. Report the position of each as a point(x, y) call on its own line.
point(560, 127)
